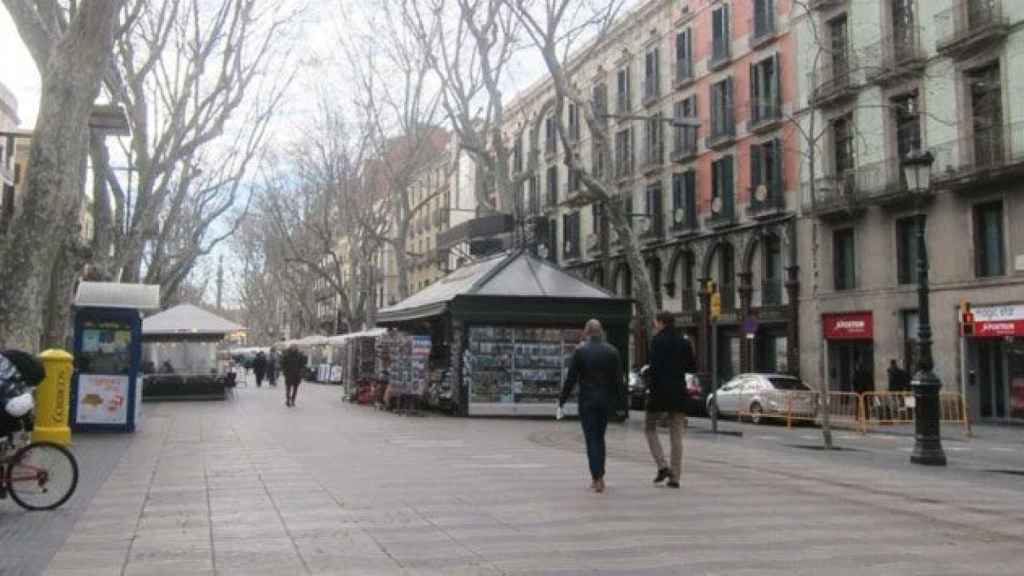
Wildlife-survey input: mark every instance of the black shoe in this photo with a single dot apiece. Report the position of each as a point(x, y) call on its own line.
point(663, 475)
point(673, 484)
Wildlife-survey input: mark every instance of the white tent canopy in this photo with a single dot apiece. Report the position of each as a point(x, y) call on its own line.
point(186, 319)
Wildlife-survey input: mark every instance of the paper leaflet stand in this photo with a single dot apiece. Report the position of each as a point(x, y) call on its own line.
point(106, 388)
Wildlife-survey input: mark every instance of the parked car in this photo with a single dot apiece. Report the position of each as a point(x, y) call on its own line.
point(763, 396)
point(638, 391)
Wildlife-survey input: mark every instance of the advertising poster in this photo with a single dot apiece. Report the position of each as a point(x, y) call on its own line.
point(102, 399)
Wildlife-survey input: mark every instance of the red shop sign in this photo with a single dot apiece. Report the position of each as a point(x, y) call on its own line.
point(995, 329)
point(848, 326)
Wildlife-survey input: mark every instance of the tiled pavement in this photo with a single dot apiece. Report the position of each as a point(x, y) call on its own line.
point(251, 487)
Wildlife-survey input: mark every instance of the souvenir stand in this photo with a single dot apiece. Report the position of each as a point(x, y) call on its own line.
point(355, 359)
point(502, 331)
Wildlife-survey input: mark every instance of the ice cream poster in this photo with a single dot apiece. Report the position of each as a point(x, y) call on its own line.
point(102, 399)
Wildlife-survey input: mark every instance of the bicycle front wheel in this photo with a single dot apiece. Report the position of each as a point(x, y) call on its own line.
point(42, 476)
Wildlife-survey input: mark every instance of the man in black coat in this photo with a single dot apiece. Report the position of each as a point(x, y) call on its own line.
point(597, 368)
point(259, 367)
point(293, 364)
point(671, 358)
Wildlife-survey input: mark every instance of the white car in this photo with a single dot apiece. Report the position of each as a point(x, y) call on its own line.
point(763, 395)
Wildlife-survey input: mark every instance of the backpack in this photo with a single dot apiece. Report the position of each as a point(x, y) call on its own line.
point(29, 367)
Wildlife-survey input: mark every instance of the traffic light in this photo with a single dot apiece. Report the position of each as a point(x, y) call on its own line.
point(966, 319)
point(716, 304)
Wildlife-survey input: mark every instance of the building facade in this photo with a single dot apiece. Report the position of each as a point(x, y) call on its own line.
point(886, 78)
point(697, 98)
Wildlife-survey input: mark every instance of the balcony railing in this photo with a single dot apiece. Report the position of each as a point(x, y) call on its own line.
point(720, 53)
point(970, 23)
point(654, 228)
point(771, 293)
point(835, 80)
point(684, 143)
point(652, 90)
point(685, 220)
point(762, 27)
point(986, 153)
point(724, 215)
point(894, 56)
point(684, 72)
point(623, 104)
point(654, 155)
point(723, 130)
point(767, 198)
point(765, 112)
point(571, 249)
point(877, 183)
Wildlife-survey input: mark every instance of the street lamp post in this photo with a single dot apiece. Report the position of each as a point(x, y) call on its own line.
point(926, 385)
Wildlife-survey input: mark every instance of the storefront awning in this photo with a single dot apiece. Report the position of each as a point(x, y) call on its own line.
point(516, 278)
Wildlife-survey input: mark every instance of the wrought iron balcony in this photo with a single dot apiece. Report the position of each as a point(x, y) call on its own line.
point(721, 54)
point(895, 57)
point(654, 156)
point(970, 24)
point(723, 213)
point(986, 155)
point(835, 81)
point(765, 113)
point(652, 90)
point(684, 143)
point(684, 221)
point(723, 130)
point(762, 28)
point(767, 199)
point(684, 73)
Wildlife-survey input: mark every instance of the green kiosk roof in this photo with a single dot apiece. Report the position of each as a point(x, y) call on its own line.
point(510, 287)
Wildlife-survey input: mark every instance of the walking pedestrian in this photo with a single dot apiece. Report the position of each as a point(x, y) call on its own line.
point(597, 368)
point(259, 367)
point(272, 368)
point(293, 364)
point(671, 358)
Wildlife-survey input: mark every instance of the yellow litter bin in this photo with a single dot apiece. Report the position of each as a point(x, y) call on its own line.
point(53, 399)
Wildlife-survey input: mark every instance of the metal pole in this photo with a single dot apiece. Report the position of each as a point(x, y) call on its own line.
point(927, 436)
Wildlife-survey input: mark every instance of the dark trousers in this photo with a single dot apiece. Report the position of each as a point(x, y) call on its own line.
point(594, 417)
point(291, 390)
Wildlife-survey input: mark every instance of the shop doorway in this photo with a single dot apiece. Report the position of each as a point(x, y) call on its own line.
point(992, 379)
point(851, 366)
point(770, 351)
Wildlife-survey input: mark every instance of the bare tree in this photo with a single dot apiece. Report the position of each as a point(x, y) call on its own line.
point(402, 106)
point(193, 78)
point(555, 27)
point(42, 254)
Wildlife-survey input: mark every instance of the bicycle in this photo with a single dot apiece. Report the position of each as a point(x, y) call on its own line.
point(36, 475)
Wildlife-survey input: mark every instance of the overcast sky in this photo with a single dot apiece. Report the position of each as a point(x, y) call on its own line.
point(18, 71)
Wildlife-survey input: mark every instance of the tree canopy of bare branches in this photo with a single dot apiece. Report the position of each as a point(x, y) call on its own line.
point(41, 255)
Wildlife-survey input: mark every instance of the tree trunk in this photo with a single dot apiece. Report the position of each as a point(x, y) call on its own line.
point(70, 83)
point(102, 210)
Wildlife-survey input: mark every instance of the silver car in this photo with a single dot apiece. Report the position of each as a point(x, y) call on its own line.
point(763, 395)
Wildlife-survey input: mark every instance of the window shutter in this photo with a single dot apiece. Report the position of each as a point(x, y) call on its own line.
point(755, 167)
point(776, 82)
point(777, 180)
point(729, 196)
point(755, 85)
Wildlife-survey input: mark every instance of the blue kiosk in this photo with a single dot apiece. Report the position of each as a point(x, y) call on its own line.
point(106, 387)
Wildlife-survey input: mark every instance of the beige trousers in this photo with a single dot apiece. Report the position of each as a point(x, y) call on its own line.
point(676, 428)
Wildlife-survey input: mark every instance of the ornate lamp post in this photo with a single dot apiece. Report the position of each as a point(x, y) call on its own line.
point(927, 438)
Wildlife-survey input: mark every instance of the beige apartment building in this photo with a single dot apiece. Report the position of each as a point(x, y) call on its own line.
point(901, 75)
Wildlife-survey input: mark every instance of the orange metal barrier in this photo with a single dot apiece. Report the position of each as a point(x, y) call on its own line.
point(889, 408)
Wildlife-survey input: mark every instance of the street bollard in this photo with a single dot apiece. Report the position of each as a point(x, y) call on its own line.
point(53, 399)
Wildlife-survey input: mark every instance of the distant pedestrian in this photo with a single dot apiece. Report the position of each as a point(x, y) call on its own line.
point(293, 364)
point(273, 365)
point(670, 359)
point(597, 368)
point(259, 368)
point(899, 379)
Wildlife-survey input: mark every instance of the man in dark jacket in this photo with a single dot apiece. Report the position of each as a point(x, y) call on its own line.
point(670, 359)
point(597, 368)
point(259, 367)
point(899, 379)
point(293, 364)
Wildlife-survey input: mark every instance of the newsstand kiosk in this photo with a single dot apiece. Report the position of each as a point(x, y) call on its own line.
point(106, 391)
